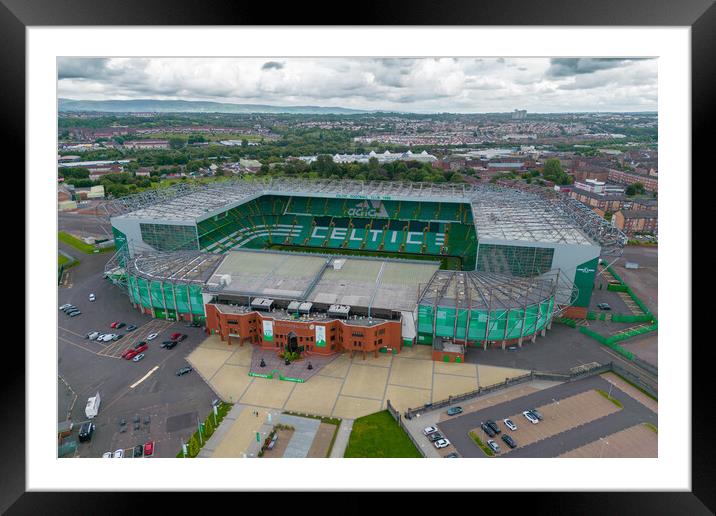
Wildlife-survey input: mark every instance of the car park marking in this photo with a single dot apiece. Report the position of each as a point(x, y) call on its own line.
point(115, 348)
point(70, 331)
point(77, 345)
point(144, 377)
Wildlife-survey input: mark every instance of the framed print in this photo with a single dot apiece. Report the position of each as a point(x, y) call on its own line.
point(343, 246)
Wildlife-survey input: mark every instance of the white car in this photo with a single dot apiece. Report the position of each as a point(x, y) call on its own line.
point(107, 455)
point(119, 454)
point(530, 417)
point(107, 337)
point(93, 335)
point(66, 305)
point(493, 446)
point(430, 430)
point(441, 443)
point(138, 357)
point(510, 424)
point(152, 336)
point(92, 297)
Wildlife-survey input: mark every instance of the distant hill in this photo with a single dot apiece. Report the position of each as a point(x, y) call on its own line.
point(192, 106)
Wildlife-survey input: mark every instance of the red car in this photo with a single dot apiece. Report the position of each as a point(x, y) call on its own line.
point(175, 336)
point(178, 337)
point(114, 324)
point(149, 448)
point(131, 353)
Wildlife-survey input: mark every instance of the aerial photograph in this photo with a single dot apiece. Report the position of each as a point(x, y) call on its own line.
point(357, 257)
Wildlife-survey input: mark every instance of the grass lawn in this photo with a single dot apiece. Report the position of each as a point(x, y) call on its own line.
point(488, 451)
point(610, 398)
point(378, 435)
point(75, 242)
point(62, 259)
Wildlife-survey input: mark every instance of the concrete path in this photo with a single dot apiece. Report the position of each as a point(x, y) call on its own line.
point(304, 431)
point(341, 443)
point(220, 433)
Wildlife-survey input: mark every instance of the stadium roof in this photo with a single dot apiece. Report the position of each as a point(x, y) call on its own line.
point(499, 212)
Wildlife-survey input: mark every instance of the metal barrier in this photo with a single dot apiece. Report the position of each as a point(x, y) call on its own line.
point(649, 368)
point(399, 419)
point(532, 375)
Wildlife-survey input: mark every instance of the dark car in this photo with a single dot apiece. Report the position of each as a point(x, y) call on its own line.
point(179, 338)
point(131, 327)
point(452, 455)
point(184, 370)
point(509, 441)
point(120, 325)
point(453, 411)
point(493, 425)
point(138, 451)
point(85, 433)
point(170, 345)
point(487, 429)
point(140, 344)
point(435, 436)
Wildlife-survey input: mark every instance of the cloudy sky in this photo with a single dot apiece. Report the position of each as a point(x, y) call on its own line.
point(425, 85)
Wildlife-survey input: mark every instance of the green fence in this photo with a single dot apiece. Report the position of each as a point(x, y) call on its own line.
point(626, 288)
point(610, 342)
point(632, 318)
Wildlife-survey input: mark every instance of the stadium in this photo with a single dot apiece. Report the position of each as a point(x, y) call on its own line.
point(328, 266)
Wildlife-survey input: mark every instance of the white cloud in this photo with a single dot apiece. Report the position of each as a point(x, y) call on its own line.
point(419, 85)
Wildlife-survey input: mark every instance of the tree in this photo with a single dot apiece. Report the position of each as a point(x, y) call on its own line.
point(177, 142)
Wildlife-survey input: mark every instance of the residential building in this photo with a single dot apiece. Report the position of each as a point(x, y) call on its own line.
point(146, 144)
point(636, 221)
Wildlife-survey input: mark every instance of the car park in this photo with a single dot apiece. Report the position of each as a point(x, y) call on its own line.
point(530, 417)
point(536, 414)
point(137, 358)
point(119, 454)
point(510, 424)
point(149, 448)
point(86, 430)
point(130, 327)
point(509, 441)
point(152, 336)
point(442, 443)
point(429, 430)
point(453, 411)
point(493, 425)
point(493, 446)
point(487, 429)
point(184, 370)
point(138, 451)
point(92, 297)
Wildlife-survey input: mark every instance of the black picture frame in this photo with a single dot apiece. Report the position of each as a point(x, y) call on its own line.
point(700, 15)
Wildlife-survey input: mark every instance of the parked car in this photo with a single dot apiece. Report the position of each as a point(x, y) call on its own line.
point(180, 337)
point(100, 337)
point(131, 327)
point(530, 417)
point(453, 411)
point(66, 305)
point(510, 424)
point(165, 343)
point(137, 358)
point(74, 314)
point(509, 441)
point(452, 455)
point(152, 336)
point(92, 335)
point(107, 455)
point(92, 297)
point(512, 348)
point(175, 336)
point(493, 446)
point(120, 325)
point(114, 324)
point(117, 336)
point(493, 425)
point(107, 337)
point(536, 414)
point(604, 306)
point(149, 448)
point(138, 451)
point(86, 430)
point(488, 430)
point(131, 353)
point(435, 436)
point(184, 370)
point(140, 344)
point(119, 454)
point(430, 430)
point(442, 443)
point(171, 345)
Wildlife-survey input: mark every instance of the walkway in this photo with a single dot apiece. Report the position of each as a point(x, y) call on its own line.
point(341, 443)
